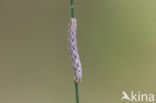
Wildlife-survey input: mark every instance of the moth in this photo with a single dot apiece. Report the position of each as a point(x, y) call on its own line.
point(73, 50)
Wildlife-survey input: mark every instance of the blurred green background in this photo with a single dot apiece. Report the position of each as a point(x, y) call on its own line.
point(116, 41)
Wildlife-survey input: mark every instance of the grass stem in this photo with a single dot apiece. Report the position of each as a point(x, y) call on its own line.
point(72, 8)
point(76, 93)
point(76, 84)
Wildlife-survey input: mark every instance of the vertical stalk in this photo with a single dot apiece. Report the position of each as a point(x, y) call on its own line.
point(72, 8)
point(76, 84)
point(72, 16)
point(76, 92)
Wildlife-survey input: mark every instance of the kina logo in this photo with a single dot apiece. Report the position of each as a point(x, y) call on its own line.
point(137, 97)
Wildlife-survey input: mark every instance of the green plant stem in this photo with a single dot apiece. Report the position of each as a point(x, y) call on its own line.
point(76, 93)
point(76, 84)
point(72, 8)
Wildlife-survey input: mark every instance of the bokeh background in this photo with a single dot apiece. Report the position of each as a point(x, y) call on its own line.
point(116, 41)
